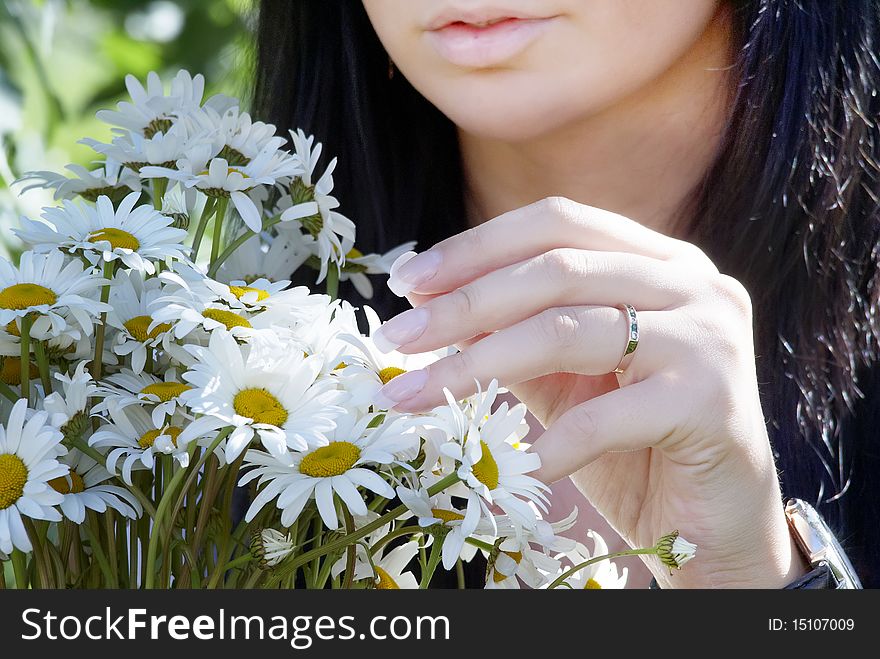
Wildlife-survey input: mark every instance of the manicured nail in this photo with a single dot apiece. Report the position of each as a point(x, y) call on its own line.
point(404, 386)
point(403, 328)
point(411, 270)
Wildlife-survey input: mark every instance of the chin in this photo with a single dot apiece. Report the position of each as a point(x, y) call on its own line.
point(511, 112)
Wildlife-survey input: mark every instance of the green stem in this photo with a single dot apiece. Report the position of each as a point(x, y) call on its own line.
point(333, 280)
point(351, 551)
point(340, 543)
point(7, 392)
point(159, 186)
point(207, 212)
point(26, 323)
point(193, 474)
point(99, 555)
point(19, 568)
point(459, 574)
point(231, 565)
point(433, 561)
point(97, 363)
point(164, 504)
point(219, 221)
point(43, 365)
point(235, 244)
point(598, 559)
point(396, 533)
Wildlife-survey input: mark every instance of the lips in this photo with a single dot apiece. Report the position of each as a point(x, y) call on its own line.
point(483, 39)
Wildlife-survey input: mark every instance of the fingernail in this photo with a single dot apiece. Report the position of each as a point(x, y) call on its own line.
point(411, 270)
point(403, 328)
point(404, 386)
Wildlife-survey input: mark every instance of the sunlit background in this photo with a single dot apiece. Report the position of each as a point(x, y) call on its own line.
point(61, 60)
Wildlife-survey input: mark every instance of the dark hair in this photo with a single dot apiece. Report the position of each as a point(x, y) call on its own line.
point(790, 206)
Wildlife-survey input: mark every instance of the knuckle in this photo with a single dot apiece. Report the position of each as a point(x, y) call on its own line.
point(560, 264)
point(465, 300)
point(584, 421)
point(693, 254)
point(733, 292)
point(560, 327)
point(559, 208)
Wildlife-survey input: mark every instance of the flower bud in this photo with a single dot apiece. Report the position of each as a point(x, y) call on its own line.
point(674, 551)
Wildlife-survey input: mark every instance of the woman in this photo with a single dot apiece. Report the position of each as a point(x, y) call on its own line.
point(575, 156)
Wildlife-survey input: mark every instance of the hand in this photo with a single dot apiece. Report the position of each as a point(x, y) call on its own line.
point(677, 441)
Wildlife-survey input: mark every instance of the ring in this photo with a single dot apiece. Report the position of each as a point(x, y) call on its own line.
point(632, 338)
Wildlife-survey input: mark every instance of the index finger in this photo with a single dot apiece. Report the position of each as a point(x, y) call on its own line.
point(527, 232)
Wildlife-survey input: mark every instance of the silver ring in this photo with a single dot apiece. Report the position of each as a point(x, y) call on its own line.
point(632, 338)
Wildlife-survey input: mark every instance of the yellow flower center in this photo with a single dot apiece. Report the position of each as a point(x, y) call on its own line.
point(388, 373)
point(354, 253)
point(486, 469)
point(446, 515)
point(12, 328)
point(148, 438)
point(139, 325)
point(226, 318)
point(384, 581)
point(10, 370)
point(592, 584)
point(23, 296)
point(497, 576)
point(117, 238)
point(13, 477)
point(70, 484)
point(165, 391)
point(332, 460)
point(240, 291)
point(261, 406)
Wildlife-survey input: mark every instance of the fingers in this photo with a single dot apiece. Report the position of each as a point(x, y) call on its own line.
point(529, 231)
point(583, 340)
point(562, 277)
point(627, 419)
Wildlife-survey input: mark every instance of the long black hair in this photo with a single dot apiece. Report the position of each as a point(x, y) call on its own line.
point(790, 207)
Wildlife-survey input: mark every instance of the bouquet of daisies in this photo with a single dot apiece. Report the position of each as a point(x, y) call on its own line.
point(176, 414)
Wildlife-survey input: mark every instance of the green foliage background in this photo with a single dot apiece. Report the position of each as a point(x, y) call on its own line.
point(62, 60)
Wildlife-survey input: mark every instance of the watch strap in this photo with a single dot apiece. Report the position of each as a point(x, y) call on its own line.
point(819, 578)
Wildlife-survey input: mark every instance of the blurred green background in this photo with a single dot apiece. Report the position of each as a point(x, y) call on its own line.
point(62, 60)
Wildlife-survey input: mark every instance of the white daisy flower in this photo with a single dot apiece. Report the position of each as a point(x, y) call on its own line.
point(358, 266)
point(218, 178)
point(86, 488)
point(368, 367)
point(55, 289)
point(152, 111)
point(135, 236)
point(28, 451)
point(329, 235)
point(111, 179)
point(290, 306)
point(271, 547)
point(161, 397)
point(674, 551)
point(481, 445)
point(131, 436)
point(132, 298)
point(598, 576)
point(234, 135)
point(387, 569)
point(68, 408)
point(263, 389)
point(163, 149)
point(256, 259)
point(440, 510)
point(349, 460)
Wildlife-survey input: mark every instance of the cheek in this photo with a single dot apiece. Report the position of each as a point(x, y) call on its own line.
point(600, 53)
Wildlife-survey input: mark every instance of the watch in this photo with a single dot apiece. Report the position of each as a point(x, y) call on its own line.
point(829, 565)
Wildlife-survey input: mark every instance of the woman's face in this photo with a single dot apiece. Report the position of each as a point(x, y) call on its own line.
point(515, 69)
